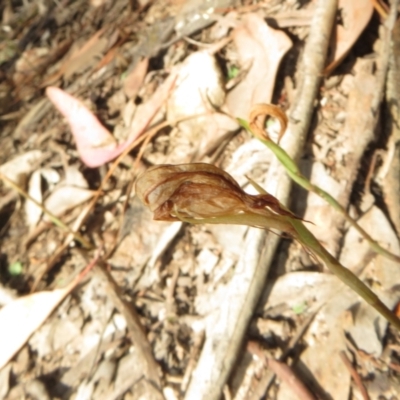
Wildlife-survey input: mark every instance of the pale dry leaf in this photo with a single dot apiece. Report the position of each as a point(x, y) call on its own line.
point(74, 177)
point(368, 329)
point(199, 88)
point(66, 198)
point(355, 248)
point(146, 112)
point(355, 15)
point(85, 56)
point(325, 340)
point(199, 82)
point(322, 360)
point(263, 48)
point(128, 112)
point(32, 211)
point(5, 379)
point(20, 318)
point(50, 175)
point(135, 78)
point(20, 166)
point(295, 289)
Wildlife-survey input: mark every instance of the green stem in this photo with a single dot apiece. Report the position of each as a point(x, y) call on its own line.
point(299, 231)
point(295, 174)
point(307, 239)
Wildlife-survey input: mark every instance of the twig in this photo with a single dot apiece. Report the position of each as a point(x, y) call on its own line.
point(286, 374)
point(355, 375)
point(283, 371)
point(224, 338)
point(267, 379)
point(149, 365)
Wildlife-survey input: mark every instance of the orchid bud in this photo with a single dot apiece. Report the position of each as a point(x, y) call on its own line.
point(199, 190)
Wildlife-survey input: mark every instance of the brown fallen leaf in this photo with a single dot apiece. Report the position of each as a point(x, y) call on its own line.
point(262, 48)
point(135, 78)
point(81, 57)
point(355, 15)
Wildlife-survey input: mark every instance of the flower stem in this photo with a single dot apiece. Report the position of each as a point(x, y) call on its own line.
point(294, 172)
point(307, 239)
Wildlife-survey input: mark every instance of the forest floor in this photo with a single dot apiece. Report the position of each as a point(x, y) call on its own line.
point(100, 301)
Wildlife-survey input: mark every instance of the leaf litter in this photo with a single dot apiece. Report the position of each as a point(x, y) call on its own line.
point(175, 275)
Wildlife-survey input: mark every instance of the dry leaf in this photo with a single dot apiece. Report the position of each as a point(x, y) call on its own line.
point(90, 135)
point(20, 318)
point(355, 16)
point(262, 48)
point(66, 198)
point(134, 80)
point(17, 168)
point(32, 211)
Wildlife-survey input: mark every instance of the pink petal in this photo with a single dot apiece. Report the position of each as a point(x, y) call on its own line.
point(93, 141)
point(95, 144)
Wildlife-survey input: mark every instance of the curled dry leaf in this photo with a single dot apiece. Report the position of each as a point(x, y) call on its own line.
point(199, 190)
point(258, 115)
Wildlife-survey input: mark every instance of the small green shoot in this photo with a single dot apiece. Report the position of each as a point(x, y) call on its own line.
point(16, 268)
point(300, 308)
point(233, 72)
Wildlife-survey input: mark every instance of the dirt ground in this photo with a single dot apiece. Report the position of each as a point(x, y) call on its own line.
point(100, 301)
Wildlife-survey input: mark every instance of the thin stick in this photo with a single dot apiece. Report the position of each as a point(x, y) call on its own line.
point(262, 387)
point(355, 375)
point(283, 371)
